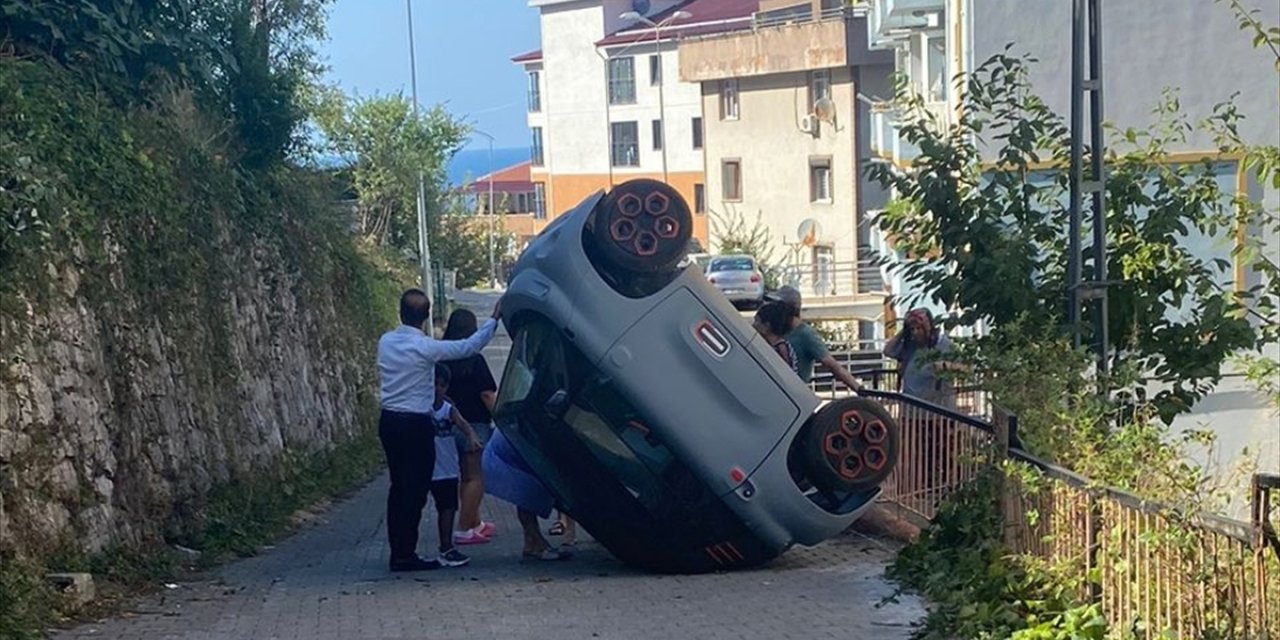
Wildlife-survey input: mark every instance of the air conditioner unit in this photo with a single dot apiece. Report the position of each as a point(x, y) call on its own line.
point(810, 124)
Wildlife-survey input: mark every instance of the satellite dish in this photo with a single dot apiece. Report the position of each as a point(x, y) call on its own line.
point(640, 6)
point(825, 109)
point(808, 232)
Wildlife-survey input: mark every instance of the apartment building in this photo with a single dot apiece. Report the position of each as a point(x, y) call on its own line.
point(606, 103)
point(783, 143)
point(1196, 47)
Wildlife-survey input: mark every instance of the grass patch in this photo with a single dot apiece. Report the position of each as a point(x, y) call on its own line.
point(26, 603)
point(238, 519)
point(241, 517)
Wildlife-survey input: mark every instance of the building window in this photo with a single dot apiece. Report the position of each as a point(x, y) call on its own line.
point(729, 109)
point(731, 176)
point(699, 198)
point(625, 144)
point(937, 62)
point(697, 133)
point(535, 151)
point(820, 180)
point(522, 203)
point(655, 70)
point(819, 86)
point(540, 200)
point(535, 91)
point(622, 81)
point(657, 135)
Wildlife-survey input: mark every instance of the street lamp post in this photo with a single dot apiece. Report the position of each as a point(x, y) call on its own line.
point(424, 248)
point(662, 76)
point(493, 264)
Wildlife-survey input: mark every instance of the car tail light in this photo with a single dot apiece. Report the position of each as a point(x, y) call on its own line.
point(755, 277)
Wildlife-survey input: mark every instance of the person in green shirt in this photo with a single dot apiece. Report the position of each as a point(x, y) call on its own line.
point(808, 346)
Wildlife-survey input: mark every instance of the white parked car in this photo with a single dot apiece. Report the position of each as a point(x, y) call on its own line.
point(738, 278)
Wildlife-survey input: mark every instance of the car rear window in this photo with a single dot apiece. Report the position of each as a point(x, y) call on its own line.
point(732, 264)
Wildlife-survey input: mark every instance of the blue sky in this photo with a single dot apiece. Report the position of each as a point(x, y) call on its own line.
point(464, 50)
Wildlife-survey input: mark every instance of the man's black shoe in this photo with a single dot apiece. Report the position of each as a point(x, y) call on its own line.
point(414, 564)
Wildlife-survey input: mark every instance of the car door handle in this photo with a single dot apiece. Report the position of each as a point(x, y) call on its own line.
point(711, 339)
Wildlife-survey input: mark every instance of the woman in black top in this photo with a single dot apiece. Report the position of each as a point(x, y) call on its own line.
point(773, 323)
point(474, 393)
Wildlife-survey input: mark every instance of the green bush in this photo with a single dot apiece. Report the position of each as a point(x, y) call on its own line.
point(150, 202)
point(979, 591)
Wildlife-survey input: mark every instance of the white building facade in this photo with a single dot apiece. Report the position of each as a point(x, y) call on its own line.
point(606, 103)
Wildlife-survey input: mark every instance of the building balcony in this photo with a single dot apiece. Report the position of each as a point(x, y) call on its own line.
point(835, 282)
point(889, 20)
point(798, 37)
point(886, 139)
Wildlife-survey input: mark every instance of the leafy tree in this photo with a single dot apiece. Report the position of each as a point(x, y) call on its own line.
point(988, 239)
point(731, 234)
point(460, 240)
point(1263, 161)
point(388, 149)
point(245, 59)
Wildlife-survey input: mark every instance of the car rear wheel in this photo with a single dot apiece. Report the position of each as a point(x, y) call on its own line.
point(851, 445)
point(642, 226)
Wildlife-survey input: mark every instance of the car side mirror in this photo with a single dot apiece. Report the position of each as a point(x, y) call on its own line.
point(557, 405)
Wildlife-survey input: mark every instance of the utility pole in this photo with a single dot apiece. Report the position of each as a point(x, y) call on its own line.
point(1086, 49)
point(662, 80)
point(424, 250)
point(662, 76)
point(493, 262)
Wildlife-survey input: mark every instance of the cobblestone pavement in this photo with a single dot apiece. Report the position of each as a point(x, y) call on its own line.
point(330, 581)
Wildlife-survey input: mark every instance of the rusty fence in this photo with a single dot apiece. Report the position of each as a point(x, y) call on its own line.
point(1156, 571)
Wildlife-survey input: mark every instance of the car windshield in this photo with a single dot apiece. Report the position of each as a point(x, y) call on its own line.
point(598, 416)
point(732, 264)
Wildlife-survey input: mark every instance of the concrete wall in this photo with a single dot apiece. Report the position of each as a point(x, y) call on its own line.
point(1147, 46)
point(815, 45)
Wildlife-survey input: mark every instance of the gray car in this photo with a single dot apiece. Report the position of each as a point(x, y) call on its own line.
point(653, 412)
point(738, 277)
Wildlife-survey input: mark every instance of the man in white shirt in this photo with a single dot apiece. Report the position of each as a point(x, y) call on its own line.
point(406, 370)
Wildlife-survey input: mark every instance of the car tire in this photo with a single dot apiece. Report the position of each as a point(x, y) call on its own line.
point(851, 444)
point(642, 226)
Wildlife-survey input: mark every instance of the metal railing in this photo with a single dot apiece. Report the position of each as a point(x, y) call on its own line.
point(798, 14)
point(834, 279)
point(1157, 571)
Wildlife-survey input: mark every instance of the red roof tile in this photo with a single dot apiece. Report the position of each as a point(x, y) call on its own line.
point(513, 179)
point(528, 57)
point(706, 17)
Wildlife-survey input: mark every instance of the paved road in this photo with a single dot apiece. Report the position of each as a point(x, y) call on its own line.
point(329, 582)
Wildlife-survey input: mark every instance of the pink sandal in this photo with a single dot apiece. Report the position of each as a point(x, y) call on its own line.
point(470, 536)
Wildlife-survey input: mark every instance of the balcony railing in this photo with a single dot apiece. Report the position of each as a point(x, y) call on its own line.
point(819, 282)
point(798, 15)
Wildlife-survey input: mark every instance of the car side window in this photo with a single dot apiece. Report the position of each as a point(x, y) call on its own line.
point(535, 368)
point(617, 435)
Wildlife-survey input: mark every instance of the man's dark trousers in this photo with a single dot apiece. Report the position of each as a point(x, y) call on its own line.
point(408, 439)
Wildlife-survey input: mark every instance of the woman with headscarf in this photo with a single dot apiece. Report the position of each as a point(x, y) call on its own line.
point(917, 348)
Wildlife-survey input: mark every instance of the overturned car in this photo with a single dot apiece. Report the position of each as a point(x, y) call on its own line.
point(656, 415)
